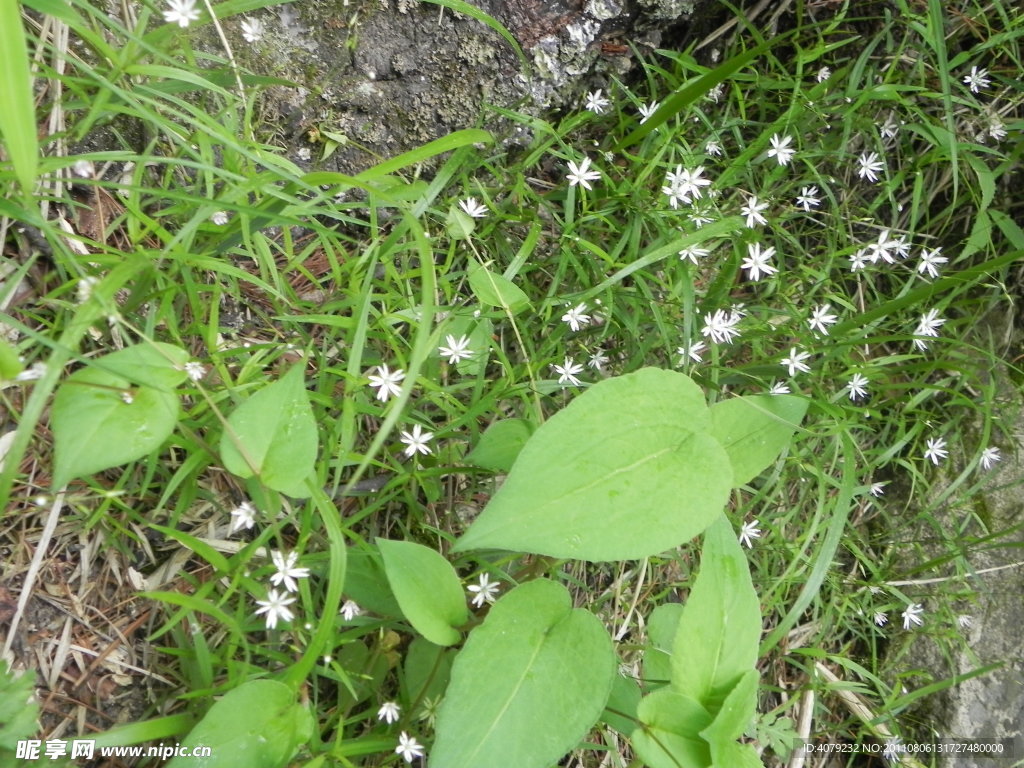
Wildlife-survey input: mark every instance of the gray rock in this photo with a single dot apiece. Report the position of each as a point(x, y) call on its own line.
point(989, 706)
point(391, 75)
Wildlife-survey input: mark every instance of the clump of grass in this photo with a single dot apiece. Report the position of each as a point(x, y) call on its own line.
point(832, 220)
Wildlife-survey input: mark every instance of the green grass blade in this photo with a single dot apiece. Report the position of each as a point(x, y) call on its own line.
point(17, 107)
point(693, 91)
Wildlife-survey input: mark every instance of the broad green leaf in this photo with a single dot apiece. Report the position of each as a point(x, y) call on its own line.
point(459, 225)
point(478, 330)
point(662, 625)
point(428, 668)
point(669, 732)
point(155, 364)
point(732, 754)
point(101, 420)
point(627, 470)
point(500, 444)
point(273, 435)
point(18, 709)
point(367, 584)
point(736, 714)
point(717, 640)
point(428, 590)
point(17, 103)
point(258, 725)
point(528, 685)
point(497, 291)
point(754, 430)
point(620, 712)
point(10, 364)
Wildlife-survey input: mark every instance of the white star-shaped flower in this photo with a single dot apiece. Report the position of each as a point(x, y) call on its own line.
point(931, 261)
point(721, 326)
point(456, 349)
point(350, 609)
point(387, 382)
point(567, 372)
point(748, 532)
point(912, 615)
point(989, 457)
point(408, 747)
point(935, 450)
point(581, 174)
point(928, 325)
point(646, 110)
point(870, 166)
point(276, 608)
point(181, 12)
point(252, 30)
point(287, 573)
point(758, 261)
point(576, 317)
point(781, 150)
point(389, 712)
point(416, 441)
point(473, 208)
point(484, 591)
point(808, 198)
point(752, 210)
point(693, 253)
point(857, 386)
point(691, 351)
point(795, 361)
point(977, 79)
point(683, 184)
point(244, 516)
point(597, 103)
point(820, 319)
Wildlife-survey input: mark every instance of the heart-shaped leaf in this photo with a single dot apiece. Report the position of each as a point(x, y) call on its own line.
point(273, 435)
point(118, 409)
point(528, 685)
point(627, 470)
point(427, 588)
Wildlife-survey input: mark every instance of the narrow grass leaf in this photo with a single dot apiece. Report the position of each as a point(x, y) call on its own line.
point(17, 106)
point(693, 91)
